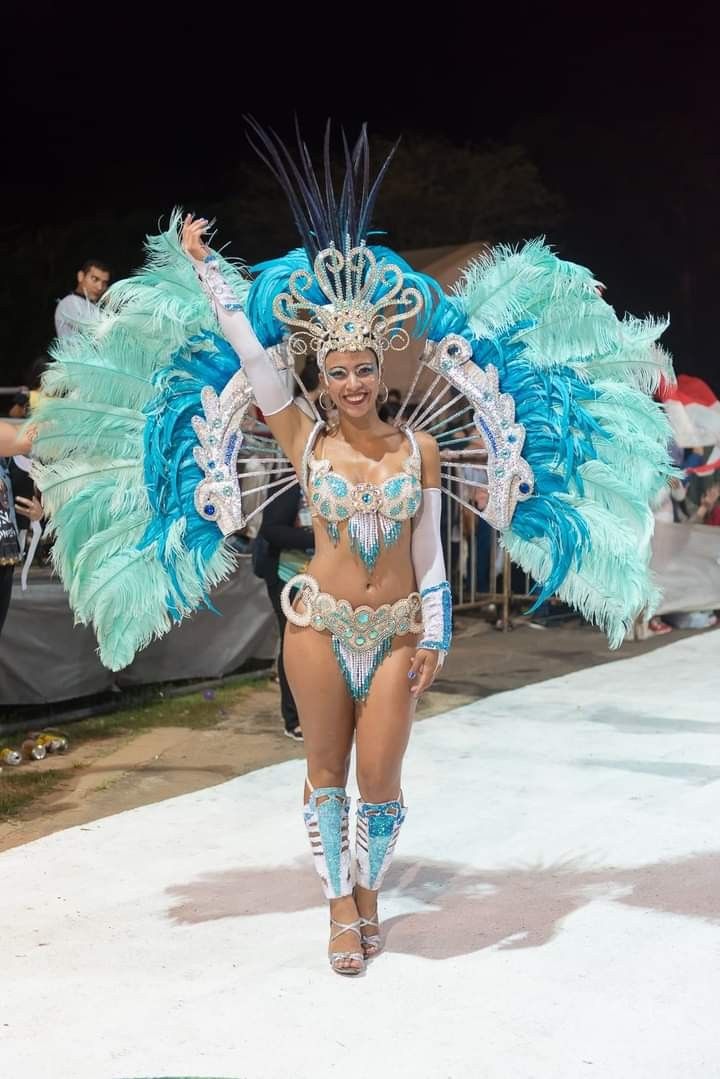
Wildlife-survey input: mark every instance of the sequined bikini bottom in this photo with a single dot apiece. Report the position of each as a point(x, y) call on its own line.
point(361, 636)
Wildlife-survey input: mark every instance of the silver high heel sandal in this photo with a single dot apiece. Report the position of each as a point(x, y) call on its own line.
point(337, 957)
point(326, 816)
point(378, 827)
point(371, 942)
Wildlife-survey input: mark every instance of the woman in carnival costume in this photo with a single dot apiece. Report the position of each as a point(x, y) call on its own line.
point(142, 438)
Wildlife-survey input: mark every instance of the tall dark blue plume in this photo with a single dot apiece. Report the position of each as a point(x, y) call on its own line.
point(320, 217)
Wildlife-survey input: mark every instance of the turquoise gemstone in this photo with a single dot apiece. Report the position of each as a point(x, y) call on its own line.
point(359, 640)
point(363, 617)
point(337, 485)
point(394, 487)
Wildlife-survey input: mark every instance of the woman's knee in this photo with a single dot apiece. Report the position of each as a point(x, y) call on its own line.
point(328, 770)
point(378, 781)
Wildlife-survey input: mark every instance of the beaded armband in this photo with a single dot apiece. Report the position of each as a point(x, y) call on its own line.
point(437, 618)
point(219, 291)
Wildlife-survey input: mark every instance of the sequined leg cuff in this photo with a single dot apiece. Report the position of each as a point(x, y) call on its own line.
point(378, 826)
point(326, 816)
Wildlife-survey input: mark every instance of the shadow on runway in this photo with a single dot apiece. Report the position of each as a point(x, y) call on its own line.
point(462, 909)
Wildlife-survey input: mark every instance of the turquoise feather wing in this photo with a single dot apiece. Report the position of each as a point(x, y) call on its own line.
point(114, 453)
point(595, 440)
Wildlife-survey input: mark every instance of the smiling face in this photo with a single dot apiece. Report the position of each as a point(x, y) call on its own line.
point(353, 381)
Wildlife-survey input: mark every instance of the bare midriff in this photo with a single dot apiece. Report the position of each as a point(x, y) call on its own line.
point(341, 572)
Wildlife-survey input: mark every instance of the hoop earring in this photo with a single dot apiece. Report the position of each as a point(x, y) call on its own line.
point(387, 394)
point(323, 406)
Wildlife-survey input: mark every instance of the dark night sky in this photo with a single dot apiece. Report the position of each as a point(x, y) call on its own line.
point(117, 109)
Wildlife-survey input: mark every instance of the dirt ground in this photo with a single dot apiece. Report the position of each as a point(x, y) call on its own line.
point(123, 771)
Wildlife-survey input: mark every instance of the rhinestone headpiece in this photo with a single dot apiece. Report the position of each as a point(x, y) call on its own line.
point(351, 320)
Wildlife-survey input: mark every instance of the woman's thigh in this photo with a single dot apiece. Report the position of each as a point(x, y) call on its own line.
point(383, 725)
point(325, 708)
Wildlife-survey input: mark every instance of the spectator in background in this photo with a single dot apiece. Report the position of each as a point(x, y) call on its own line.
point(253, 483)
point(666, 508)
point(694, 500)
point(11, 442)
point(78, 308)
point(708, 510)
point(286, 529)
point(713, 514)
point(20, 404)
point(27, 397)
point(284, 543)
point(38, 369)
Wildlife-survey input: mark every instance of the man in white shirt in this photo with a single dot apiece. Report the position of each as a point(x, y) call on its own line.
point(77, 309)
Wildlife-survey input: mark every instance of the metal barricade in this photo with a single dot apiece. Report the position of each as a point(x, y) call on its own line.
point(479, 571)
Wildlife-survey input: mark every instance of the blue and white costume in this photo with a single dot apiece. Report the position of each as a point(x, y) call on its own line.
point(143, 437)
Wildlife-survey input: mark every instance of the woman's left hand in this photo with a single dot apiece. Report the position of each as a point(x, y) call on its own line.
point(29, 507)
point(423, 670)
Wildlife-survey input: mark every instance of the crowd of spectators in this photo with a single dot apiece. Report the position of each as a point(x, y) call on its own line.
point(692, 498)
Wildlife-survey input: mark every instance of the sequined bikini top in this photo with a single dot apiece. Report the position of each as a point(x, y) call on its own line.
point(371, 510)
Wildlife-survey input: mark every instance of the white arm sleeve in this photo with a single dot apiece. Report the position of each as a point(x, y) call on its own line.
point(429, 565)
point(270, 389)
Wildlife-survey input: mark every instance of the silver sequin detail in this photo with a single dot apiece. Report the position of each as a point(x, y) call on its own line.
point(361, 636)
point(218, 497)
point(494, 419)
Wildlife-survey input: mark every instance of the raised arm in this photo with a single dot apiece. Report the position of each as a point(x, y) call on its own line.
point(290, 426)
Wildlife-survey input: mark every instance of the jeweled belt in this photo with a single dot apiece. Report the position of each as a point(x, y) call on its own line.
point(361, 636)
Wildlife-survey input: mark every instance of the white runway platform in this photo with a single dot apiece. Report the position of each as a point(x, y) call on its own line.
point(553, 913)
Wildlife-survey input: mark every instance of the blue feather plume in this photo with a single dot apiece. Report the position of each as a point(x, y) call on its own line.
point(595, 440)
